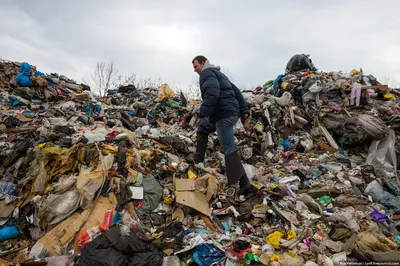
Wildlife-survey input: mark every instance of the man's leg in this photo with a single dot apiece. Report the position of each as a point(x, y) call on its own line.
point(226, 134)
point(204, 129)
point(234, 168)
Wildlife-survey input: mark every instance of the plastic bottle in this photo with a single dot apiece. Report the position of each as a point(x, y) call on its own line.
point(89, 235)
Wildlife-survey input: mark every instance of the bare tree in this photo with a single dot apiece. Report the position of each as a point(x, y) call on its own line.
point(193, 89)
point(103, 77)
point(126, 80)
point(144, 83)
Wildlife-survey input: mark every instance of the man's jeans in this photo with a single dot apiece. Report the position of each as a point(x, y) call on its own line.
point(226, 137)
point(226, 134)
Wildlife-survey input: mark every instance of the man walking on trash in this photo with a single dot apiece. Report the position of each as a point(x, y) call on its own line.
point(220, 109)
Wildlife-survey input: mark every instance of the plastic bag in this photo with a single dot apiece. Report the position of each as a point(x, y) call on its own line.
point(373, 126)
point(299, 62)
point(207, 255)
point(381, 196)
point(164, 93)
point(24, 80)
point(6, 188)
point(249, 98)
point(95, 137)
point(250, 170)
point(371, 242)
point(171, 261)
point(8, 232)
point(62, 206)
point(89, 181)
point(273, 239)
point(382, 153)
point(347, 216)
point(239, 128)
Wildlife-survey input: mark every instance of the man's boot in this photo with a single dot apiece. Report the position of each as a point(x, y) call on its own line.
point(204, 129)
point(235, 172)
point(201, 148)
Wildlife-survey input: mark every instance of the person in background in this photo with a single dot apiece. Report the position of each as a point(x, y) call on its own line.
point(220, 110)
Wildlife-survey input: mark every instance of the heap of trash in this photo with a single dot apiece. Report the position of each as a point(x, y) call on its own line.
point(88, 180)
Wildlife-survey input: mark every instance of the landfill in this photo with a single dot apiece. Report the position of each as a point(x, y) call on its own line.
point(88, 180)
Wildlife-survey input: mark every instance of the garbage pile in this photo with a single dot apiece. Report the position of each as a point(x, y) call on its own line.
point(87, 180)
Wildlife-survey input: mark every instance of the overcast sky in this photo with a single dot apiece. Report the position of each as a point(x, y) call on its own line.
point(252, 39)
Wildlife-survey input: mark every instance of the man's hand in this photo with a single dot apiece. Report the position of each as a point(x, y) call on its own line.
point(203, 119)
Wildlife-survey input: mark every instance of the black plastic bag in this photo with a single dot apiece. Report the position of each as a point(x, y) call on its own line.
point(127, 88)
point(299, 62)
point(111, 248)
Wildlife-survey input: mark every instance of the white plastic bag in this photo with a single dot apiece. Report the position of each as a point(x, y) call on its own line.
point(382, 153)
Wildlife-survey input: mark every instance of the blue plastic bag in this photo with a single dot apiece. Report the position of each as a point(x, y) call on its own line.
point(39, 74)
point(8, 232)
point(88, 110)
point(7, 188)
point(24, 67)
point(24, 80)
point(13, 101)
point(207, 254)
point(98, 108)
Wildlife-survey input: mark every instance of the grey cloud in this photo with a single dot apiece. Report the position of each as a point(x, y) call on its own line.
point(253, 40)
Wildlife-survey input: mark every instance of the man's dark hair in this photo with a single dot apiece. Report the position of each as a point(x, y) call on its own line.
point(200, 58)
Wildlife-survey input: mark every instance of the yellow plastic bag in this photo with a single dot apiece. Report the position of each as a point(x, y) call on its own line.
point(109, 149)
point(355, 72)
point(89, 181)
point(164, 93)
point(389, 96)
point(146, 155)
point(273, 239)
point(275, 257)
point(292, 254)
point(291, 234)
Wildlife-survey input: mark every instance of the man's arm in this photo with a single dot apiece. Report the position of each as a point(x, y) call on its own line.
point(242, 104)
point(210, 87)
